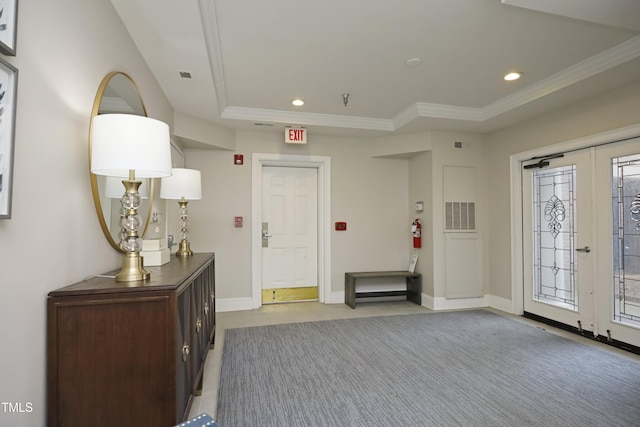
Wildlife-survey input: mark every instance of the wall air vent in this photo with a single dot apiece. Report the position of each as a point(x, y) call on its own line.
point(460, 216)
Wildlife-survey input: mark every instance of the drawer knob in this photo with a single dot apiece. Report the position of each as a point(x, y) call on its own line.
point(185, 352)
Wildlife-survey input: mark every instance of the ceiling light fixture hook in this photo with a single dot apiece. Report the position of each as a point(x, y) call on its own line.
point(345, 98)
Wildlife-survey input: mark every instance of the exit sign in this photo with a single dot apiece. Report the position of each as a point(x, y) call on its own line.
point(295, 135)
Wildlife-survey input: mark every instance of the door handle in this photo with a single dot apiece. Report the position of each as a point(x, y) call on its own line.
point(265, 235)
point(586, 249)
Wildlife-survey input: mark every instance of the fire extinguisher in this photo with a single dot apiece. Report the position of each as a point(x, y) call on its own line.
point(416, 230)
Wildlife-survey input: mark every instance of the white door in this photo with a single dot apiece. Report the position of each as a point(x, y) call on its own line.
point(617, 187)
point(581, 217)
point(289, 234)
point(558, 257)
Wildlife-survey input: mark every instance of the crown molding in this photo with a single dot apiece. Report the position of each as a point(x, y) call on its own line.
point(308, 119)
point(440, 111)
point(603, 61)
point(214, 50)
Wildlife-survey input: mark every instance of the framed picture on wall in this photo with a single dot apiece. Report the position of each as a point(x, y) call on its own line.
point(8, 26)
point(8, 87)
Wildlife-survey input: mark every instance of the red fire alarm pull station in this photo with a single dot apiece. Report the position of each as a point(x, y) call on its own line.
point(238, 159)
point(238, 221)
point(341, 226)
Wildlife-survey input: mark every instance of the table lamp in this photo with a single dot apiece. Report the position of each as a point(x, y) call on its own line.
point(183, 185)
point(130, 147)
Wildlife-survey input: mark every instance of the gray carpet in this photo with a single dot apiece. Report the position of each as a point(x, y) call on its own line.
point(472, 368)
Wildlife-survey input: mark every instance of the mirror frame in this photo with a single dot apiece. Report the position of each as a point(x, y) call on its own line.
point(94, 181)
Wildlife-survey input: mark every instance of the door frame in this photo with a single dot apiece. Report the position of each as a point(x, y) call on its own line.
point(517, 268)
point(323, 166)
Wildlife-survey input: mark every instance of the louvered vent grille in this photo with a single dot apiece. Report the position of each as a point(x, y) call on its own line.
point(460, 216)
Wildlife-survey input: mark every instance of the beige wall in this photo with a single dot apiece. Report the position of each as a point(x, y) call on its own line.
point(374, 195)
point(64, 49)
point(472, 154)
point(420, 189)
point(609, 111)
point(370, 194)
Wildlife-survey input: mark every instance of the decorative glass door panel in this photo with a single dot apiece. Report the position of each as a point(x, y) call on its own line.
point(554, 234)
point(617, 185)
point(625, 195)
point(557, 259)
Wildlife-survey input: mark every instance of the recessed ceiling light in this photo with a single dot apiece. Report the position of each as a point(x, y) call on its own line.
point(298, 102)
point(513, 76)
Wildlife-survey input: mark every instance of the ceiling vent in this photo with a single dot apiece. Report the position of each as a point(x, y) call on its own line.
point(185, 74)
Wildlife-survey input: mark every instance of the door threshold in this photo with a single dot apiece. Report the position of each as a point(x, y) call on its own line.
point(289, 302)
point(587, 334)
point(276, 295)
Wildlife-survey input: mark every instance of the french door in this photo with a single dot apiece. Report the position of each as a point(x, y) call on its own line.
point(558, 247)
point(581, 219)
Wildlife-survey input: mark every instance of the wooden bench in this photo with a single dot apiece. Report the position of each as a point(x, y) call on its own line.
point(413, 281)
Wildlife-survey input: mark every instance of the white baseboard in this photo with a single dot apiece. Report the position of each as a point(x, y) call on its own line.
point(241, 304)
point(453, 304)
point(499, 303)
point(233, 304)
point(492, 301)
point(336, 298)
point(427, 301)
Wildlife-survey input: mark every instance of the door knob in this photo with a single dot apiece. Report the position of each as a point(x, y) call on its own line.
point(586, 249)
point(265, 234)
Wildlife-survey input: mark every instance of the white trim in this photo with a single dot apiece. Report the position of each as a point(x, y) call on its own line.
point(427, 301)
point(233, 304)
point(603, 61)
point(214, 48)
point(441, 303)
point(499, 303)
point(492, 301)
point(311, 119)
point(323, 165)
point(517, 271)
point(502, 304)
point(335, 298)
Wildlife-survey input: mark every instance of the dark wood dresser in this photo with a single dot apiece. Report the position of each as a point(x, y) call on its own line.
point(130, 354)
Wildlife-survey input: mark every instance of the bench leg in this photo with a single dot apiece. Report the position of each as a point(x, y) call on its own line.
point(350, 291)
point(414, 289)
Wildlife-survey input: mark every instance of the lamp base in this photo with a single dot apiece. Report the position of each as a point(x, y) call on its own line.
point(132, 269)
point(184, 249)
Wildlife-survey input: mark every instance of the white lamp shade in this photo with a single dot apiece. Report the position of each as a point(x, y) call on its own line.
point(124, 142)
point(183, 183)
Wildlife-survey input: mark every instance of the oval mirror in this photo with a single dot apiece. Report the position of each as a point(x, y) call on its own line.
point(117, 93)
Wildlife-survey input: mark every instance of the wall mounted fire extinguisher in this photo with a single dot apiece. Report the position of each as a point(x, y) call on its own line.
point(416, 230)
